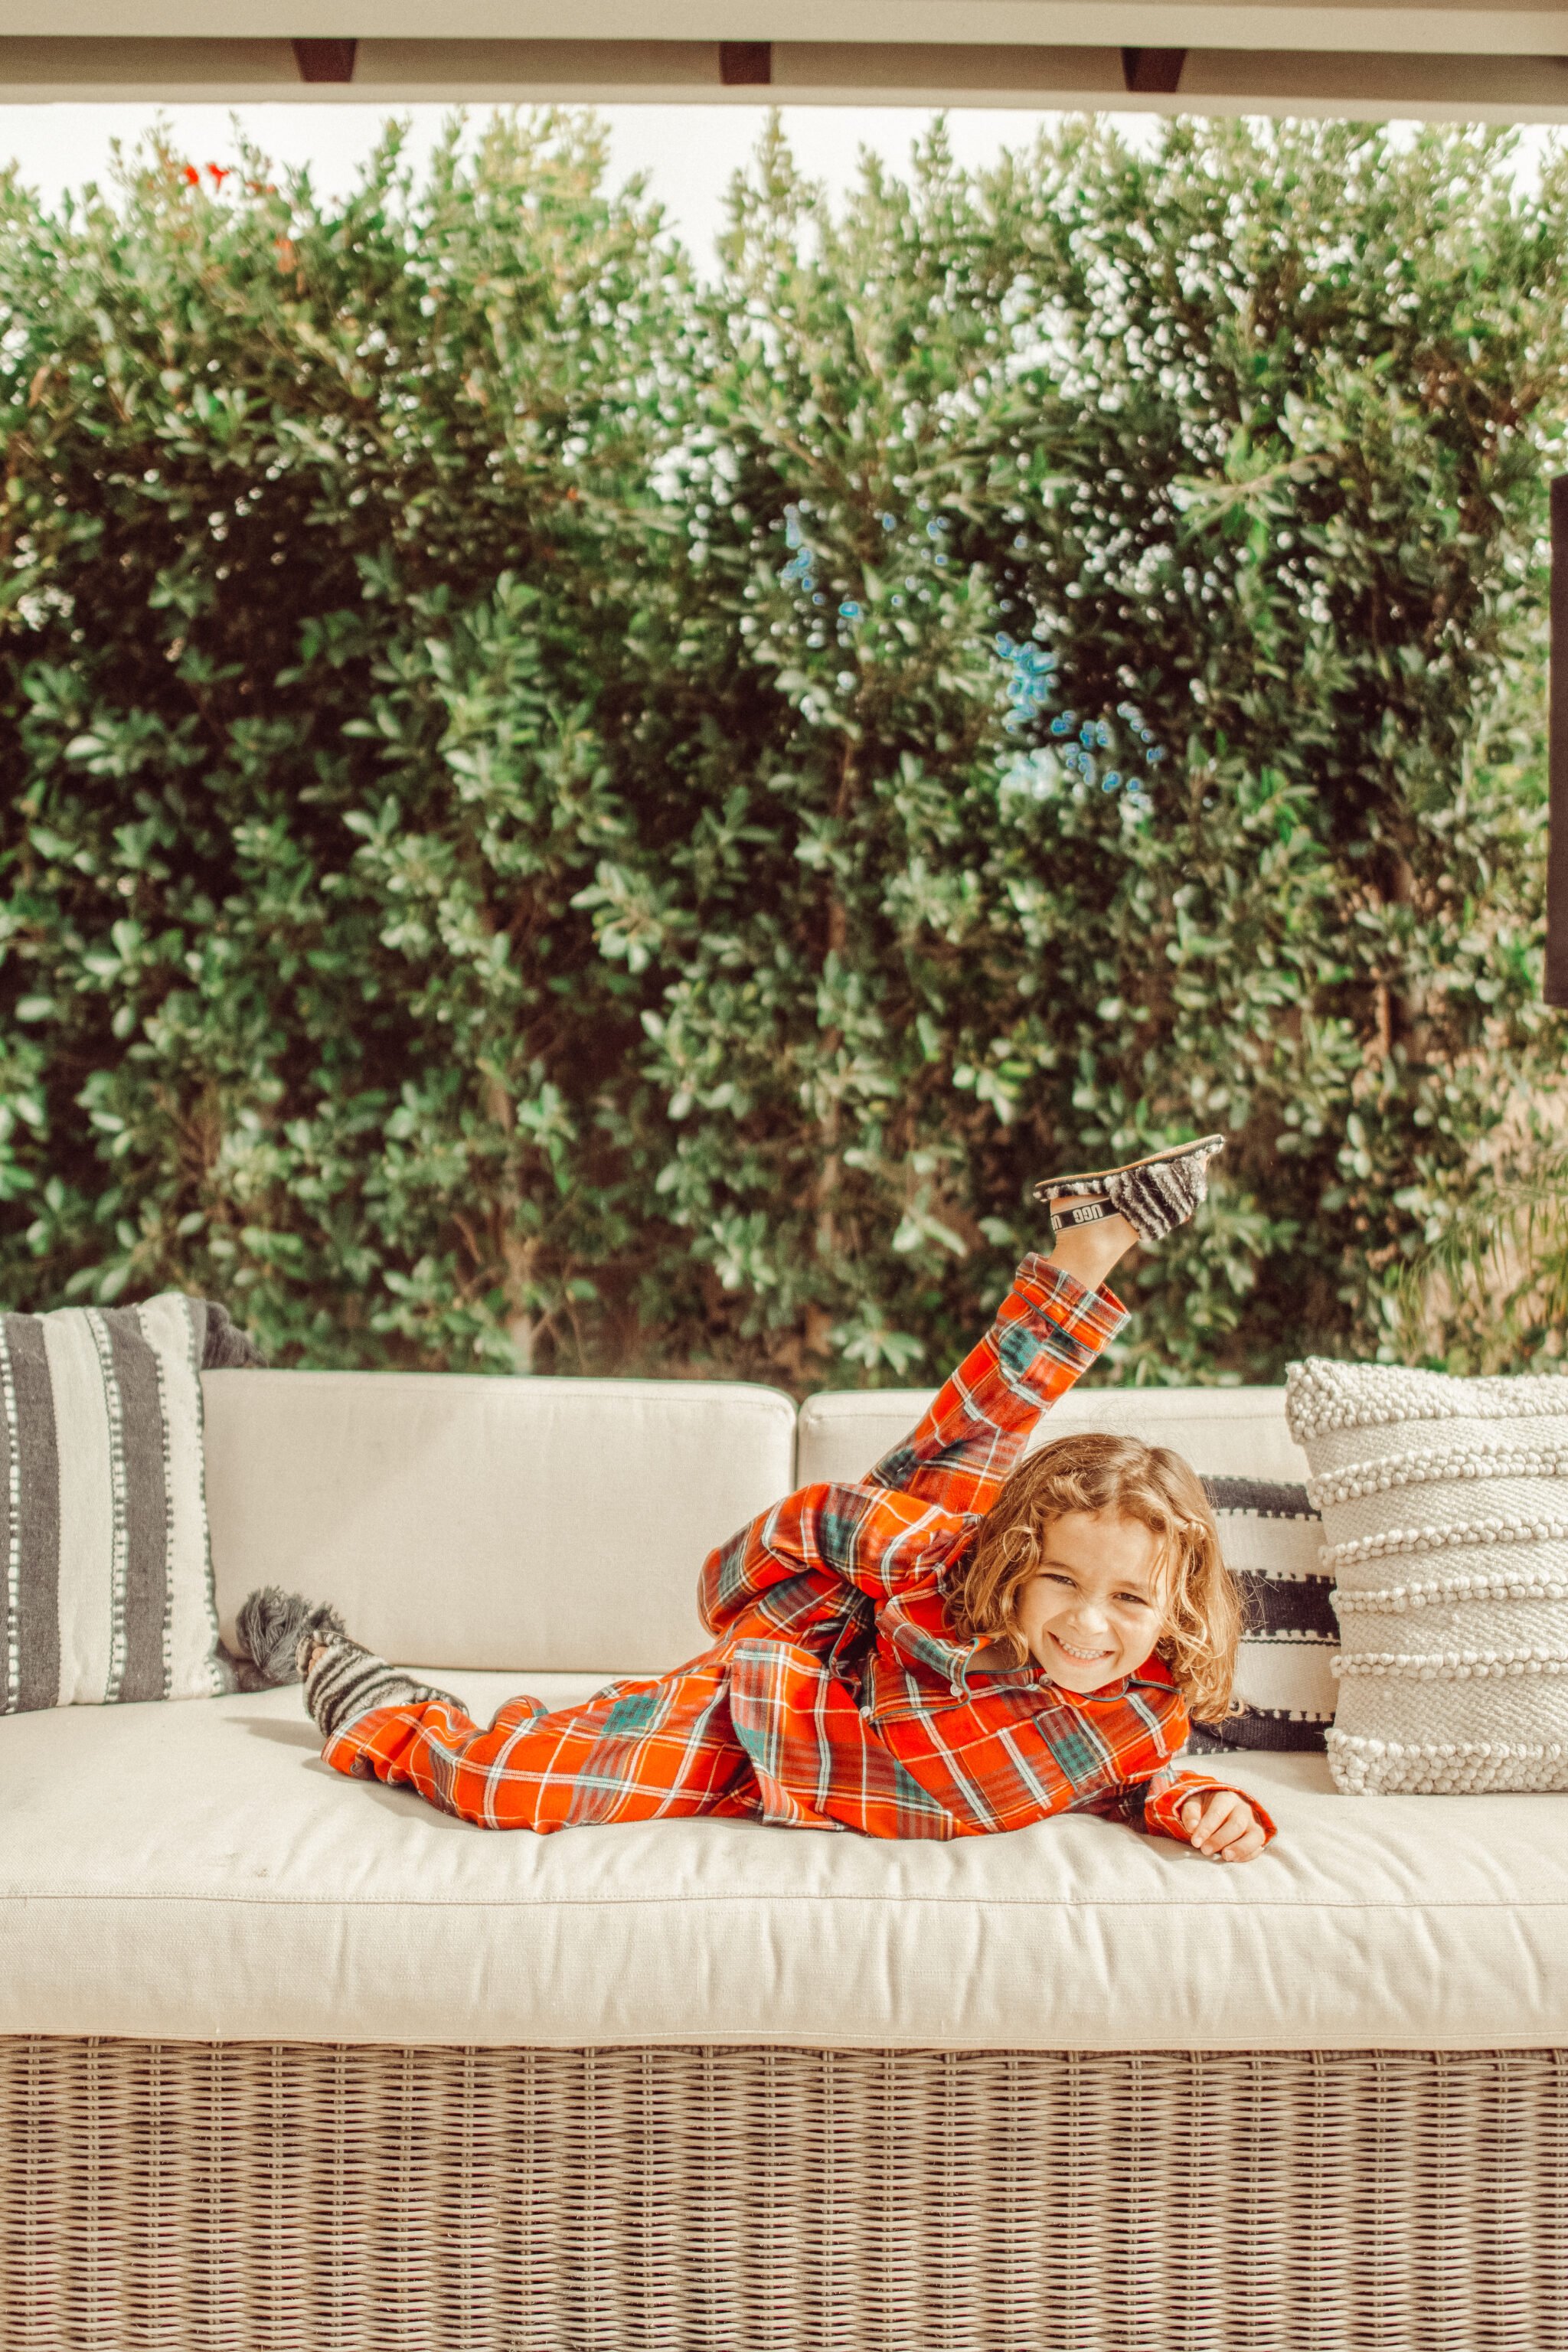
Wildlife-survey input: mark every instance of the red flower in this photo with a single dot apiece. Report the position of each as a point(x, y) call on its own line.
point(220, 173)
point(193, 177)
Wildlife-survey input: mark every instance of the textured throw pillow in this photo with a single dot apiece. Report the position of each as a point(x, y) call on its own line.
point(1444, 1507)
point(1271, 1537)
point(105, 1579)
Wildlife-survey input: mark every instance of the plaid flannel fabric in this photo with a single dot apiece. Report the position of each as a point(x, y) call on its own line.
point(834, 1697)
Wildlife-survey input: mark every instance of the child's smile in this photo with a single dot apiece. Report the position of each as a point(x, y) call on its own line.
point(1091, 1611)
point(1084, 1657)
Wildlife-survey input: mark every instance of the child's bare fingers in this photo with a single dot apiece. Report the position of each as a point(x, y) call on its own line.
point(1238, 1839)
point(1212, 1822)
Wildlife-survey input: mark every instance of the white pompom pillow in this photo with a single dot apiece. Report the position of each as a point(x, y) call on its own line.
point(1444, 1510)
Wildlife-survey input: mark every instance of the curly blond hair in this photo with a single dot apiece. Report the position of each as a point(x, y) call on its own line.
point(1201, 1607)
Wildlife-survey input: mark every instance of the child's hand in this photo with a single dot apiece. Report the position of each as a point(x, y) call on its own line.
point(1223, 1826)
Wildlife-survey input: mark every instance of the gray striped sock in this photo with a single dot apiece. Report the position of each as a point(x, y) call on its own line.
point(348, 1681)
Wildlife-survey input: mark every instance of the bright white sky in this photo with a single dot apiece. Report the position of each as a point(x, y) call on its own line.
point(691, 151)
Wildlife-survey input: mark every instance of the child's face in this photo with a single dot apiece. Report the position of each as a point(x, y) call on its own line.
point(1093, 1609)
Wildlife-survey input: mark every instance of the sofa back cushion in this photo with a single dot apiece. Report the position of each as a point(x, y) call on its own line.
point(1224, 1432)
point(460, 1520)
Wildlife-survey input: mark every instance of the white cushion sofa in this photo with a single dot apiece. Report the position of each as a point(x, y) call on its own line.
point(293, 2060)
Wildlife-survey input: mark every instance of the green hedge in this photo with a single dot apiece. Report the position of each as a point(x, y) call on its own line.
point(564, 816)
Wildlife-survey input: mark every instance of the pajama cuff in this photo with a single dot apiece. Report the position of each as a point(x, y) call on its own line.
point(1162, 1808)
point(1092, 1317)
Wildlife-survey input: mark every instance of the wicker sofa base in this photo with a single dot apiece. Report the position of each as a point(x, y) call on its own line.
point(311, 2199)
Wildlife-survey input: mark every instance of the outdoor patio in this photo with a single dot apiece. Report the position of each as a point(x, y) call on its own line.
point(621, 725)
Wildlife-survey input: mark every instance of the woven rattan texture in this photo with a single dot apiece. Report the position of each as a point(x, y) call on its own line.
point(308, 2198)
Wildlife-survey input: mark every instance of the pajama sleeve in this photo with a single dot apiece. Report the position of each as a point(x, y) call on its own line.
point(1155, 1805)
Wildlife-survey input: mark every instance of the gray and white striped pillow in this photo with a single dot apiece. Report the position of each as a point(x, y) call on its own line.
point(1272, 1538)
point(106, 1589)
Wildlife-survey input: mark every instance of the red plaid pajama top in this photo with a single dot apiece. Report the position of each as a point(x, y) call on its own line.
point(833, 1697)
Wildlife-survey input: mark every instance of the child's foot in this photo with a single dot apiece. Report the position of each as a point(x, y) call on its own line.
point(289, 1639)
point(1150, 1196)
point(269, 1628)
point(343, 1680)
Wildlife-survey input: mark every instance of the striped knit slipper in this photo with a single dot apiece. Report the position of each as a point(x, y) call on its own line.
point(1155, 1196)
point(270, 1626)
point(348, 1681)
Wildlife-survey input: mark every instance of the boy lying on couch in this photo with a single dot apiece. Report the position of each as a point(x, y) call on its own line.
point(964, 1641)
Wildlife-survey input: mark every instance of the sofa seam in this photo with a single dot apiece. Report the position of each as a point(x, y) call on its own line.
point(769, 1401)
point(1154, 1905)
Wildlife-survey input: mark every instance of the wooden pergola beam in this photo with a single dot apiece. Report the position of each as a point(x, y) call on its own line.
point(745, 65)
point(381, 69)
point(325, 61)
point(1152, 73)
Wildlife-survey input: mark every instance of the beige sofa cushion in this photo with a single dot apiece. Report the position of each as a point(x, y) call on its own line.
point(482, 1522)
point(1225, 1433)
point(193, 1869)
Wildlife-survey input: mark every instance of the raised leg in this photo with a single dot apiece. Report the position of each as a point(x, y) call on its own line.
point(1055, 1321)
point(775, 1574)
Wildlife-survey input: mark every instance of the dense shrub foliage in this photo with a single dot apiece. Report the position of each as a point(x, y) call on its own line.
point(564, 815)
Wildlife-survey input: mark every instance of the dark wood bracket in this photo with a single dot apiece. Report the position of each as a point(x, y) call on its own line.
point(325, 61)
point(1152, 73)
point(744, 64)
